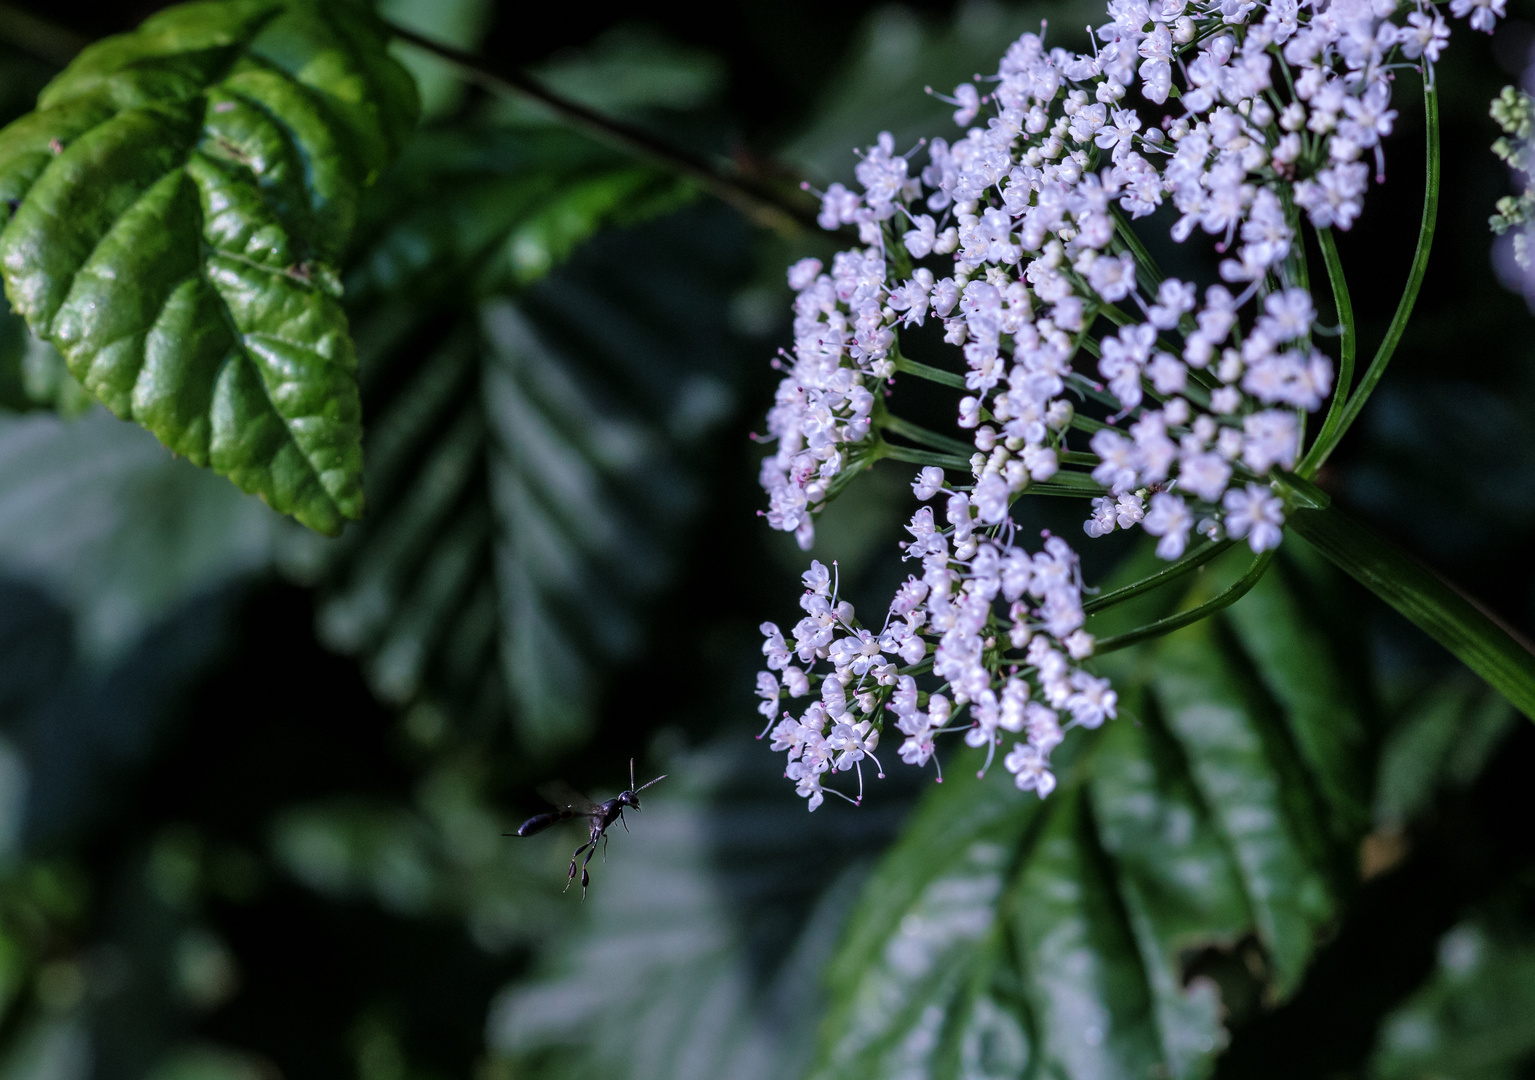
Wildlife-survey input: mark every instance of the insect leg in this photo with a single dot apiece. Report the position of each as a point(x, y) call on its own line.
point(592, 843)
point(585, 877)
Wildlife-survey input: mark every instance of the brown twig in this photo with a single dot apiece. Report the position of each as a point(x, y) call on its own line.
point(763, 206)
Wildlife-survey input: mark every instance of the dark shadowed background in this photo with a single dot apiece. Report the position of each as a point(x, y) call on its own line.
point(254, 785)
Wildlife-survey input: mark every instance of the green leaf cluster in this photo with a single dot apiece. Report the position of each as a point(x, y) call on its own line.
point(524, 452)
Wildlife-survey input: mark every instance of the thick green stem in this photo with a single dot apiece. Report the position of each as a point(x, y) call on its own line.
point(1192, 561)
point(1193, 615)
point(921, 457)
point(1068, 482)
point(931, 374)
point(1321, 449)
point(907, 430)
point(1149, 275)
point(1476, 637)
point(1087, 424)
point(1325, 437)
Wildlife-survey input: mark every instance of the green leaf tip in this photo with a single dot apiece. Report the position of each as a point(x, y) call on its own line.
point(1464, 627)
point(172, 214)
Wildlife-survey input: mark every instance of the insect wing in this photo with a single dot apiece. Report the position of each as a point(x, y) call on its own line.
point(561, 795)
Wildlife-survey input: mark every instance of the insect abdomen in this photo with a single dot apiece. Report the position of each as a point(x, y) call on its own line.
point(537, 824)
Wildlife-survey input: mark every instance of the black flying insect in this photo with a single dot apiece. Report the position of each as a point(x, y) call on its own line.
point(570, 805)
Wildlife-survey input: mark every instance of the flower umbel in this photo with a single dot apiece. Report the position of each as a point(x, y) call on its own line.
point(1252, 118)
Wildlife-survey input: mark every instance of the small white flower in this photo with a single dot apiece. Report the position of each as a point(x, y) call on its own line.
point(1030, 768)
point(817, 579)
point(929, 482)
point(1257, 514)
point(1170, 519)
point(1093, 702)
point(767, 689)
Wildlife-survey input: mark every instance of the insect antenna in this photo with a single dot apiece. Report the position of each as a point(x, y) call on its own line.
point(657, 780)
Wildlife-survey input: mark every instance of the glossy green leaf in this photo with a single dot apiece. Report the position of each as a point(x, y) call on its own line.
point(920, 943)
point(174, 210)
point(524, 459)
point(1237, 756)
point(1178, 884)
point(1190, 861)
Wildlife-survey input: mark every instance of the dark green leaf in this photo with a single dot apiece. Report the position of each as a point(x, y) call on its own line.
point(460, 23)
point(113, 526)
point(1188, 838)
point(1301, 671)
point(525, 456)
point(896, 52)
point(699, 944)
point(1446, 732)
point(1178, 884)
point(1474, 1019)
point(447, 856)
point(32, 373)
point(201, 1062)
point(630, 71)
point(1237, 756)
point(174, 209)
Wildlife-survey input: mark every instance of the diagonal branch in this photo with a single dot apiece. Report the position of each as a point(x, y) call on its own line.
point(767, 205)
point(759, 203)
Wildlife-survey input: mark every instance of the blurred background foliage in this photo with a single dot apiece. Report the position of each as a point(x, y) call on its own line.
point(254, 784)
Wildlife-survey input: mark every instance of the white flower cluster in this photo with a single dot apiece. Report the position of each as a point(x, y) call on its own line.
point(842, 343)
point(1000, 627)
point(1514, 111)
point(1254, 114)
